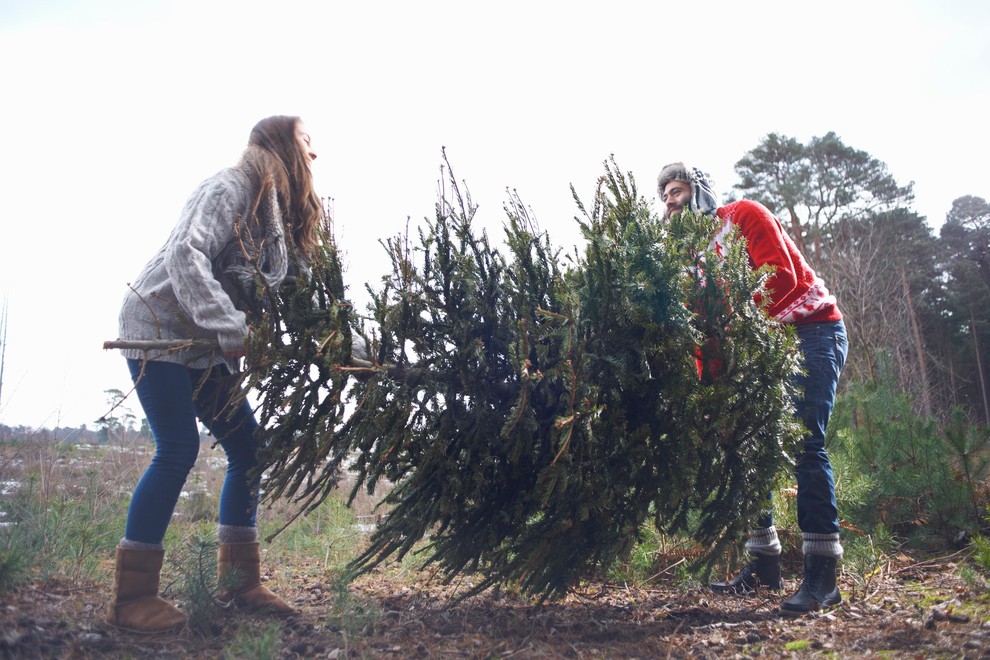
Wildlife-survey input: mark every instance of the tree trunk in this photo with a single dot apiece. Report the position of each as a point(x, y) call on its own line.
point(926, 399)
point(979, 367)
point(796, 233)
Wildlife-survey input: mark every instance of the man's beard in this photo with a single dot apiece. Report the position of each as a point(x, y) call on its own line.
point(668, 212)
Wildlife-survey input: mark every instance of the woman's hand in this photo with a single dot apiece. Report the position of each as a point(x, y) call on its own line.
point(240, 350)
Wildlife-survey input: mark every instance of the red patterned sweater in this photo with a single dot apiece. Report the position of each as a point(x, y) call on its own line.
point(798, 295)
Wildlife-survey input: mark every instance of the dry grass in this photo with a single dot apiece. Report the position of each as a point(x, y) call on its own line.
point(66, 502)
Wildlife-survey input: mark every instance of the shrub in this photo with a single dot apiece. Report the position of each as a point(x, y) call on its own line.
point(14, 565)
point(255, 642)
point(61, 520)
point(909, 473)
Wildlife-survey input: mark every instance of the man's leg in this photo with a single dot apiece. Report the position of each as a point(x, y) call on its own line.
point(824, 347)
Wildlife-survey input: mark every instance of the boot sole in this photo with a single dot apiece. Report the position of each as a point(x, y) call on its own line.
point(828, 604)
point(729, 591)
point(173, 629)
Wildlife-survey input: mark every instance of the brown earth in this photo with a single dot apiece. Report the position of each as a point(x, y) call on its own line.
point(911, 609)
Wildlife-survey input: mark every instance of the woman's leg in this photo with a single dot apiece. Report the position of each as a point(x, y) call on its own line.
point(239, 553)
point(166, 394)
point(235, 433)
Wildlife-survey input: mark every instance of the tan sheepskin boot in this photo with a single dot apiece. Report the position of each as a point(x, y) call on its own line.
point(136, 605)
point(243, 560)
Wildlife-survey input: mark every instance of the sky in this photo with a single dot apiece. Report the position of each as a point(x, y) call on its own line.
point(113, 111)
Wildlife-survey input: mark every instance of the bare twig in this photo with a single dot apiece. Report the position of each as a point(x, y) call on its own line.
point(934, 561)
point(356, 364)
point(159, 344)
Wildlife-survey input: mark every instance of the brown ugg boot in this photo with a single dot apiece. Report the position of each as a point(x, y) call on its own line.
point(244, 561)
point(136, 605)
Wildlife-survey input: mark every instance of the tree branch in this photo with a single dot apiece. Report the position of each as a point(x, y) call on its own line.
point(159, 344)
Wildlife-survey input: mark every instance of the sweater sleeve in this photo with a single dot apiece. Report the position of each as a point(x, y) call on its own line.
point(206, 226)
point(766, 245)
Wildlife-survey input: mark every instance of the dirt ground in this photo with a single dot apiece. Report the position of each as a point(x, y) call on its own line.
point(912, 609)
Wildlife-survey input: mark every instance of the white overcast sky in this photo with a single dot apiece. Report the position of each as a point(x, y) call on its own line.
point(111, 112)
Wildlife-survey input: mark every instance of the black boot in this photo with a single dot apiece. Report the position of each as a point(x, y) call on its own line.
point(763, 570)
point(818, 589)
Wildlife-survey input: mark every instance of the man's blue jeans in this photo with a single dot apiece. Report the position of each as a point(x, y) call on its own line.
point(824, 347)
point(173, 397)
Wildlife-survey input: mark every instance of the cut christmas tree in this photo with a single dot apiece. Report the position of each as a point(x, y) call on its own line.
point(531, 413)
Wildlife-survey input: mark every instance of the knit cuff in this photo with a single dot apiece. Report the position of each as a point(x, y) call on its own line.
point(823, 545)
point(235, 534)
point(127, 544)
point(359, 348)
point(232, 342)
point(763, 542)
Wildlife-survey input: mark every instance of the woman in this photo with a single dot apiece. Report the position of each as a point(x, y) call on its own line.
point(243, 222)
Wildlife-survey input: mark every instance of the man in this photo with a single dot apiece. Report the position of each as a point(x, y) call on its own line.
point(797, 297)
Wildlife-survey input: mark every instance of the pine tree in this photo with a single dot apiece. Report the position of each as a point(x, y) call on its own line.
point(532, 417)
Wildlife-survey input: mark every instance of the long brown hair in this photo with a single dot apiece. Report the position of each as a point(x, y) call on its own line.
point(273, 159)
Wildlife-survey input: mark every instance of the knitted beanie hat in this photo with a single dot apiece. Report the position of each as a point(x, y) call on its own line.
point(703, 197)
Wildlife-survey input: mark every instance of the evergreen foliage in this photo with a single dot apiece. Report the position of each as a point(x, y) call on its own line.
point(818, 184)
point(965, 243)
point(904, 471)
point(533, 417)
point(300, 338)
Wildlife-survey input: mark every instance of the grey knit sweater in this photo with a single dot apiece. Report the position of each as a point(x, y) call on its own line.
point(194, 285)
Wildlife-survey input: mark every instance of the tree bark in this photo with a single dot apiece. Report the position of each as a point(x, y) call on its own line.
point(979, 367)
point(926, 400)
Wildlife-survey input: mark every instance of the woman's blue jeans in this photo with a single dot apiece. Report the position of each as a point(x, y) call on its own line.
point(824, 347)
point(173, 397)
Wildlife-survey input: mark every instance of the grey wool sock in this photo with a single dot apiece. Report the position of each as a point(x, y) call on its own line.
point(824, 545)
point(235, 534)
point(763, 541)
point(127, 544)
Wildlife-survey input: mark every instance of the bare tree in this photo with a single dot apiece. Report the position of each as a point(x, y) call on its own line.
point(884, 272)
